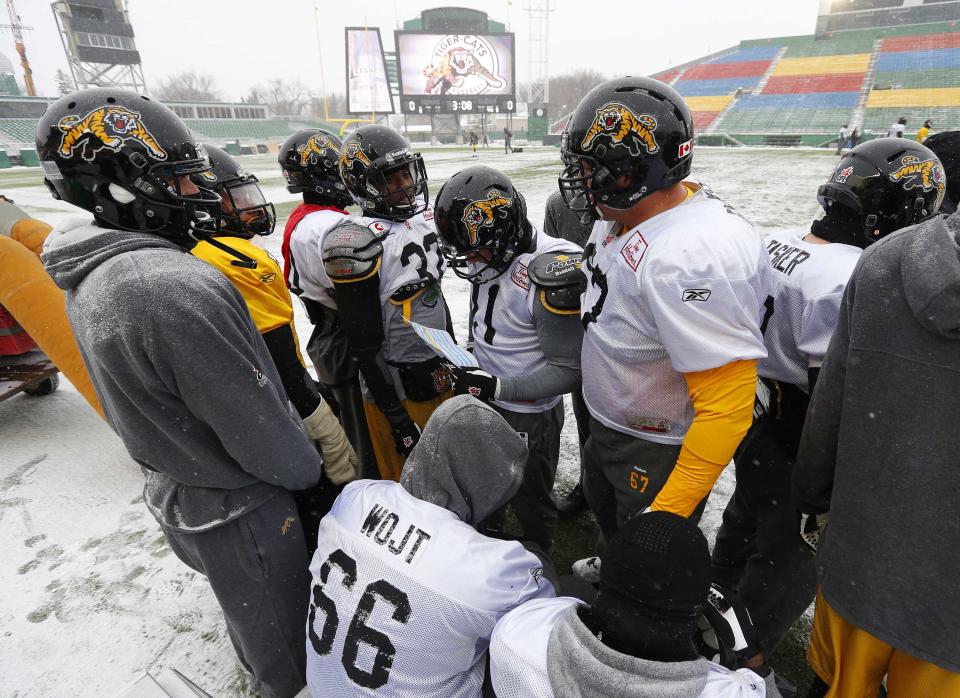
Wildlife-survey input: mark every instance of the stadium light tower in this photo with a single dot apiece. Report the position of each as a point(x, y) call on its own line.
point(17, 30)
point(538, 12)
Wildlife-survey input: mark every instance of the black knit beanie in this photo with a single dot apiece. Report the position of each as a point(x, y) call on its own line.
point(654, 579)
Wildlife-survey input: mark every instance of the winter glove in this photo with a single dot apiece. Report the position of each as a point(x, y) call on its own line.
point(811, 528)
point(10, 214)
point(339, 458)
point(731, 622)
point(406, 434)
point(473, 381)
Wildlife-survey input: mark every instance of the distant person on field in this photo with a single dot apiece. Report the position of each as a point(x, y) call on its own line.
point(843, 138)
point(854, 138)
point(486, 141)
point(474, 140)
point(924, 131)
point(896, 130)
point(507, 137)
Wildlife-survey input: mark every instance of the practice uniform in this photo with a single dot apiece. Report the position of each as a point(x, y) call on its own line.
point(405, 597)
point(521, 646)
point(302, 248)
point(271, 309)
point(758, 550)
point(896, 130)
point(526, 331)
point(671, 314)
point(385, 273)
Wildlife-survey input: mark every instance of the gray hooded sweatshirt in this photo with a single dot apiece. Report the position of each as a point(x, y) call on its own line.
point(183, 375)
point(468, 460)
point(880, 447)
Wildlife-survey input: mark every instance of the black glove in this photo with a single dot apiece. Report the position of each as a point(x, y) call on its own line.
point(811, 527)
point(406, 434)
point(473, 381)
point(731, 621)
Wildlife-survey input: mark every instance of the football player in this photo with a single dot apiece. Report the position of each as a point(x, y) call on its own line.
point(310, 162)
point(245, 214)
point(676, 281)
point(386, 270)
point(406, 592)
point(524, 317)
point(184, 377)
point(637, 638)
point(877, 188)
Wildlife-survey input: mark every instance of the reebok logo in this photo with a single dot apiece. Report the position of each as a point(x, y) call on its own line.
point(695, 294)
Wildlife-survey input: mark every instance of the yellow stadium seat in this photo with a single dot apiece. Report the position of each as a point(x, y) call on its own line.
point(934, 97)
point(711, 103)
point(823, 65)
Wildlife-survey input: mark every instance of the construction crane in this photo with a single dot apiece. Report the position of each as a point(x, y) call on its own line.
point(17, 30)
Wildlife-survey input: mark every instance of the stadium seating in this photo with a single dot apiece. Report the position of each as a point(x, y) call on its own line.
point(18, 131)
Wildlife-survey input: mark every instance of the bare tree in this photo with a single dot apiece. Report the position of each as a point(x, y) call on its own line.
point(64, 83)
point(282, 97)
point(567, 90)
point(187, 87)
point(336, 106)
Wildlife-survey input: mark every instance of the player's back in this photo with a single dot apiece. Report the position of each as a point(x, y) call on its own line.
point(405, 596)
point(801, 312)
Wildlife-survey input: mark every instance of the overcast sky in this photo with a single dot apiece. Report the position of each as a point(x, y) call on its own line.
point(245, 42)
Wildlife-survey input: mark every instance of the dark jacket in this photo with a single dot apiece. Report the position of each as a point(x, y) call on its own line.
point(183, 375)
point(880, 447)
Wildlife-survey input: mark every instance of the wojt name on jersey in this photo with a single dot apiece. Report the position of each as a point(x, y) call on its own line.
point(380, 525)
point(785, 257)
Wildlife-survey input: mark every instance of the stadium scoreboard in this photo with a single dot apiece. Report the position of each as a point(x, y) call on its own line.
point(456, 73)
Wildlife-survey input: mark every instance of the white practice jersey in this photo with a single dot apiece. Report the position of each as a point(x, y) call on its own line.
point(306, 275)
point(405, 596)
point(411, 256)
point(804, 303)
point(681, 292)
point(896, 131)
point(505, 338)
point(518, 657)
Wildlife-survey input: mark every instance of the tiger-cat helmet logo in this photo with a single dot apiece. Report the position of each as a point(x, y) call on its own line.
point(105, 127)
point(622, 127)
point(925, 174)
point(312, 151)
point(482, 213)
point(353, 152)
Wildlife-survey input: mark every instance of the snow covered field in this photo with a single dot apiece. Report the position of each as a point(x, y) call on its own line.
point(91, 595)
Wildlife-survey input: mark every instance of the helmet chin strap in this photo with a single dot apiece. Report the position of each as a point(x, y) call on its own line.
point(241, 260)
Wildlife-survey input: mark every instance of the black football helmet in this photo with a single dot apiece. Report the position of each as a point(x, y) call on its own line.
point(946, 146)
point(310, 159)
point(878, 188)
point(128, 160)
point(384, 177)
point(634, 126)
point(244, 212)
point(480, 214)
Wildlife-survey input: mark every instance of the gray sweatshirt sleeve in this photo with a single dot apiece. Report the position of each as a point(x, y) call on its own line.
point(560, 339)
point(209, 354)
point(817, 455)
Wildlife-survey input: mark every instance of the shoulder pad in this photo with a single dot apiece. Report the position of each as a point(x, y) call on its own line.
point(557, 269)
point(351, 252)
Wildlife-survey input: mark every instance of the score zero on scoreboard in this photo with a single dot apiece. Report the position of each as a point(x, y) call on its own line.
point(493, 104)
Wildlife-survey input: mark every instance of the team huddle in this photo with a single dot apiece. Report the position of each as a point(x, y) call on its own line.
point(353, 523)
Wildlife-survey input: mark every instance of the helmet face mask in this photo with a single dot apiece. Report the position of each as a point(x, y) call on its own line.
point(382, 174)
point(627, 139)
point(309, 160)
point(244, 211)
point(482, 224)
point(127, 160)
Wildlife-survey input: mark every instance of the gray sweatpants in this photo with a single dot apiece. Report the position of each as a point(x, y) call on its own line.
point(258, 568)
point(622, 475)
point(533, 505)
